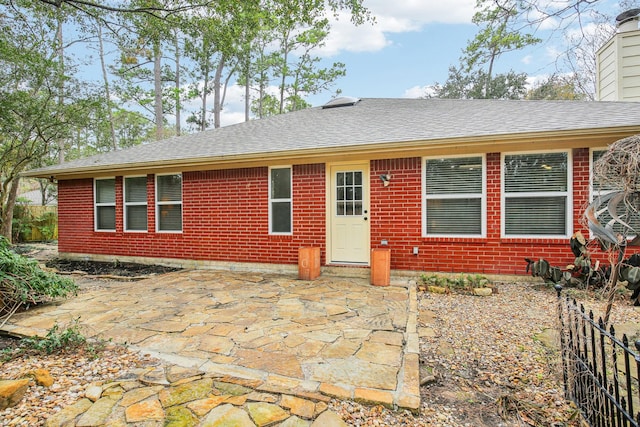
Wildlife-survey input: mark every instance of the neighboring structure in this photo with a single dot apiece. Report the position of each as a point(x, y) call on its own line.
point(447, 185)
point(618, 62)
point(34, 198)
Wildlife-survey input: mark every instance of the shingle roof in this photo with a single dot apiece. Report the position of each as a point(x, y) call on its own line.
point(370, 121)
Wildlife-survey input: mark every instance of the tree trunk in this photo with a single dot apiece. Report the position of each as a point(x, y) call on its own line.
point(43, 191)
point(217, 89)
point(60, 52)
point(283, 80)
point(7, 212)
point(247, 92)
point(205, 92)
point(177, 82)
point(157, 78)
point(107, 93)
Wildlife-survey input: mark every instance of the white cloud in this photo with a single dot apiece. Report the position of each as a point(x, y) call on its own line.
point(422, 12)
point(418, 91)
point(527, 59)
point(397, 16)
point(534, 81)
point(391, 17)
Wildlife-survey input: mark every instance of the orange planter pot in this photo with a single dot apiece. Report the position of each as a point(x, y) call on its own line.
point(308, 263)
point(381, 267)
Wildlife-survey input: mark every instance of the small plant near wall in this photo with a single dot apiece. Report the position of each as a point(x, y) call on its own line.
point(462, 283)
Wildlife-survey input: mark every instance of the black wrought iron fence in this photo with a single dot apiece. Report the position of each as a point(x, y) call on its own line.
point(601, 373)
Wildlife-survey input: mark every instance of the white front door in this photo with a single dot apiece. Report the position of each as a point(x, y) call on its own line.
point(349, 214)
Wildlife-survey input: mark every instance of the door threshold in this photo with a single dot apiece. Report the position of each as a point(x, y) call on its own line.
point(349, 264)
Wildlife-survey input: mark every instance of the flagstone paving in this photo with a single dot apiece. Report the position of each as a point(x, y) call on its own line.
point(309, 340)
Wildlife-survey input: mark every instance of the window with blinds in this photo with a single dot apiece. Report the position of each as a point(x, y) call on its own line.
point(454, 196)
point(169, 202)
point(536, 194)
point(280, 201)
point(135, 203)
point(105, 204)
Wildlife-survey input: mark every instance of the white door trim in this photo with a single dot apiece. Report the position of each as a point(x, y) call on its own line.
point(331, 203)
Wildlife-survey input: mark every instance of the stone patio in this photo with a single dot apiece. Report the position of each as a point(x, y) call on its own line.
point(337, 337)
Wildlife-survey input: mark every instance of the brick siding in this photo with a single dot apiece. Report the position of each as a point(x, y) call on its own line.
point(225, 218)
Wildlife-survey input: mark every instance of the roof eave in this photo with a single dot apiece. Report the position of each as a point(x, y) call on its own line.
point(410, 148)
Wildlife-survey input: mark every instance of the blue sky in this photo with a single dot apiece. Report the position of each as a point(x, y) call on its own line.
point(411, 46)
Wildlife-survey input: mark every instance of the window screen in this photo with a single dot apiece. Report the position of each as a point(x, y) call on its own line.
point(280, 201)
point(169, 202)
point(454, 192)
point(105, 205)
point(536, 194)
point(135, 203)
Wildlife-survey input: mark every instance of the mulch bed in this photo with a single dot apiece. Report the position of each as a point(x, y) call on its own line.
point(98, 268)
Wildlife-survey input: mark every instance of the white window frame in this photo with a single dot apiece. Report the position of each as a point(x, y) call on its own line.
point(289, 199)
point(482, 196)
point(568, 226)
point(126, 205)
point(159, 203)
point(96, 205)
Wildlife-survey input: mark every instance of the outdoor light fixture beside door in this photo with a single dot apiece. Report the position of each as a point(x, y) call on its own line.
point(385, 178)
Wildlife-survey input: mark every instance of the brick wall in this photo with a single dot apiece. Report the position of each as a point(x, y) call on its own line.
point(396, 216)
point(225, 218)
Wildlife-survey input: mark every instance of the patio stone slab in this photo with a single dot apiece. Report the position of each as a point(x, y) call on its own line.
point(354, 372)
point(329, 337)
point(279, 363)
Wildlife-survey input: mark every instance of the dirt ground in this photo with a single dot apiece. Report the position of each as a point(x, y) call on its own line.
point(95, 268)
point(47, 253)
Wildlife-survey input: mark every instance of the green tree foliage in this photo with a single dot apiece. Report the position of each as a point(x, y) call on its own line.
point(32, 119)
point(475, 78)
point(461, 85)
point(143, 73)
point(213, 43)
point(48, 109)
point(556, 87)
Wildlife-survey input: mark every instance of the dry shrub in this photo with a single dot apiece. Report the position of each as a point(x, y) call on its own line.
point(619, 166)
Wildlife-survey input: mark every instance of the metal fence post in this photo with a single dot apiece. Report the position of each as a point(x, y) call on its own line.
point(591, 369)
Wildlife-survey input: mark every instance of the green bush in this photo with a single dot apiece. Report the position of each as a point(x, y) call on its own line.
point(22, 221)
point(23, 282)
point(462, 282)
point(57, 339)
point(66, 338)
point(46, 224)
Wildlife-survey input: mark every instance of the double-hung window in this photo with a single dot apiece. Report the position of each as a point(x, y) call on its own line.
point(135, 203)
point(169, 202)
point(105, 204)
point(536, 194)
point(454, 196)
point(280, 201)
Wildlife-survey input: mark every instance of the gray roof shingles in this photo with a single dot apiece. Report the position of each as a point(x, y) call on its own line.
point(371, 121)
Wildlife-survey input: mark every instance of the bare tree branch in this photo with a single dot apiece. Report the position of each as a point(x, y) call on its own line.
point(158, 12)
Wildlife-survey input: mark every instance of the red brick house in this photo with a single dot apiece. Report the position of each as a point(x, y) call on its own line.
point(447, 185)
